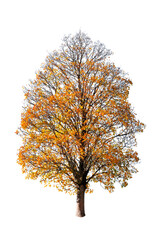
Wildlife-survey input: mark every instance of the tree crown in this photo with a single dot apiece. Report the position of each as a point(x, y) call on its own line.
point(77, 124)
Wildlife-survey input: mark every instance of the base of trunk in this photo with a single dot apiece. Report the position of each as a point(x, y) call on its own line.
point(80, 212)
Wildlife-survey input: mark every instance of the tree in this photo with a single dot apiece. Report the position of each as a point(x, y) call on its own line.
point(77, 125)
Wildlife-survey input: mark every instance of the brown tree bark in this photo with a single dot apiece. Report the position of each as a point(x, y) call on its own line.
point(80, 212)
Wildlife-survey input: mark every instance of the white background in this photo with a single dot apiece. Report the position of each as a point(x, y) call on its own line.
point(29, 30)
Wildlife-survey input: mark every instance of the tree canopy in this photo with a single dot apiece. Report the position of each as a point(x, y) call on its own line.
point(77, 124)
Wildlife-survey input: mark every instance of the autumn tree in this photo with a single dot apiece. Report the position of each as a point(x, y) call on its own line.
point(77, 125)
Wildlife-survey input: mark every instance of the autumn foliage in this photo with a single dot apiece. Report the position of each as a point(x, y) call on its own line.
point(77, 125)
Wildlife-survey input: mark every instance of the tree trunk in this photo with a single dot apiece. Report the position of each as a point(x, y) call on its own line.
point(80, 202)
